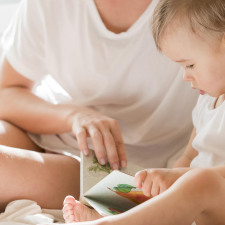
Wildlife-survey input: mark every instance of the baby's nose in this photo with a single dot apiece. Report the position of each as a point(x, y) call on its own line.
point(187, 77)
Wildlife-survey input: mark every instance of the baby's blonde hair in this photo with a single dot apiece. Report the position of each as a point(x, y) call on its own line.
point(200, 15)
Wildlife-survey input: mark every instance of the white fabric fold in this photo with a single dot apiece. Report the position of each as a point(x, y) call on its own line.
point(23, 212)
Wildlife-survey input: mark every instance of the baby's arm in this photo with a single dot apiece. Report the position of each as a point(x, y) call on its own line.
point(189, 154)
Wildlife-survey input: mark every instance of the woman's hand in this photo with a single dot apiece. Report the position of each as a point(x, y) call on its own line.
point(105, 135)
point(155, 181)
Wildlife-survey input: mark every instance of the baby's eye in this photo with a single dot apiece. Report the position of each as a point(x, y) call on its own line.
point(190, 66)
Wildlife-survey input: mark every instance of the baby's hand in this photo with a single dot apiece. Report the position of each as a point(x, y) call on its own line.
point(155, 181)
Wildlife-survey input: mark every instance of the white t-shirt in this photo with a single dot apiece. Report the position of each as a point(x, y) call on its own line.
point(210, 133)
point(121, 75)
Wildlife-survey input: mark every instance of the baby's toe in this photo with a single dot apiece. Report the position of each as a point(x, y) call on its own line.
point(69, 200)
point(68, 216)
point(70, 219)
point(67, 207)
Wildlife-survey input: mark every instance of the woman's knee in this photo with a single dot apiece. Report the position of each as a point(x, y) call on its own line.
point(5, 131)
point(13, 136)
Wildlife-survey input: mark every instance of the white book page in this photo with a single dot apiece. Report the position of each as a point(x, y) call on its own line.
point(114, 194)
point(92, 172)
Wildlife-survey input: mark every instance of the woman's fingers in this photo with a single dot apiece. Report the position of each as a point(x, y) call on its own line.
point(113, 143)
point(105, 136)
point(105, 142)
point(119, 144)
point(111, 149)
point(81, 135)
point(98, 144)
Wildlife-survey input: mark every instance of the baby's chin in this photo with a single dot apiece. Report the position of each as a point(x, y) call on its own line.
point(216, 95)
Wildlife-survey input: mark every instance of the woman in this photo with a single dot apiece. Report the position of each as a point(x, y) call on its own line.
point(110, 84)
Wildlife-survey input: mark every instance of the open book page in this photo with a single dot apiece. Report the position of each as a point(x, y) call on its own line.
point(114, 194)
point(92, 172)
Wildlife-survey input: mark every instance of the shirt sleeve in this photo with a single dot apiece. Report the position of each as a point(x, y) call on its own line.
point(23, 42)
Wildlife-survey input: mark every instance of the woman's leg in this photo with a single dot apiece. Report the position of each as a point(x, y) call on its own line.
point(44, 178)
point(13, 136)
point(25, 174)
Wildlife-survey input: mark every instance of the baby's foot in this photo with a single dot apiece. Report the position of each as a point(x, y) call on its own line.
point(74, 211)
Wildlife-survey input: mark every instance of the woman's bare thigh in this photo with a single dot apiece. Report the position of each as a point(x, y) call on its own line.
point(41, 177)
point(28, 173)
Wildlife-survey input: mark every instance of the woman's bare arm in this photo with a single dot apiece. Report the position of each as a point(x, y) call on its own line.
point(22, 108)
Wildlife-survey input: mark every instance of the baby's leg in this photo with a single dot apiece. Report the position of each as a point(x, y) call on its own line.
point(213, 199)
point(199, 196)
point(74, 211)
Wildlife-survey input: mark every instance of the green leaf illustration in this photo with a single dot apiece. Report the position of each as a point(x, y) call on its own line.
point(97, 167)
point(113, 212)
point(124, 188)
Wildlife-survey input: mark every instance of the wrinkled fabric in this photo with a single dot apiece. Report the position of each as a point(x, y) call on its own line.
point(24, 212)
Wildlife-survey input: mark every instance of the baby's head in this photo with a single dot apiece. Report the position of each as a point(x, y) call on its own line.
point(192, 33)
point(205, 18)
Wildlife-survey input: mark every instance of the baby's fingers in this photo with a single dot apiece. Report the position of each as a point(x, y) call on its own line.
point(155, 189)
point(140, 178)
point(147, 186)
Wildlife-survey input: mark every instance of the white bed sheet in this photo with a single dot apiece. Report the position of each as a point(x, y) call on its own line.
point(26, 212)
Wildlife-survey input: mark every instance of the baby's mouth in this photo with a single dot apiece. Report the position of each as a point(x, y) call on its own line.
point(201, 92)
